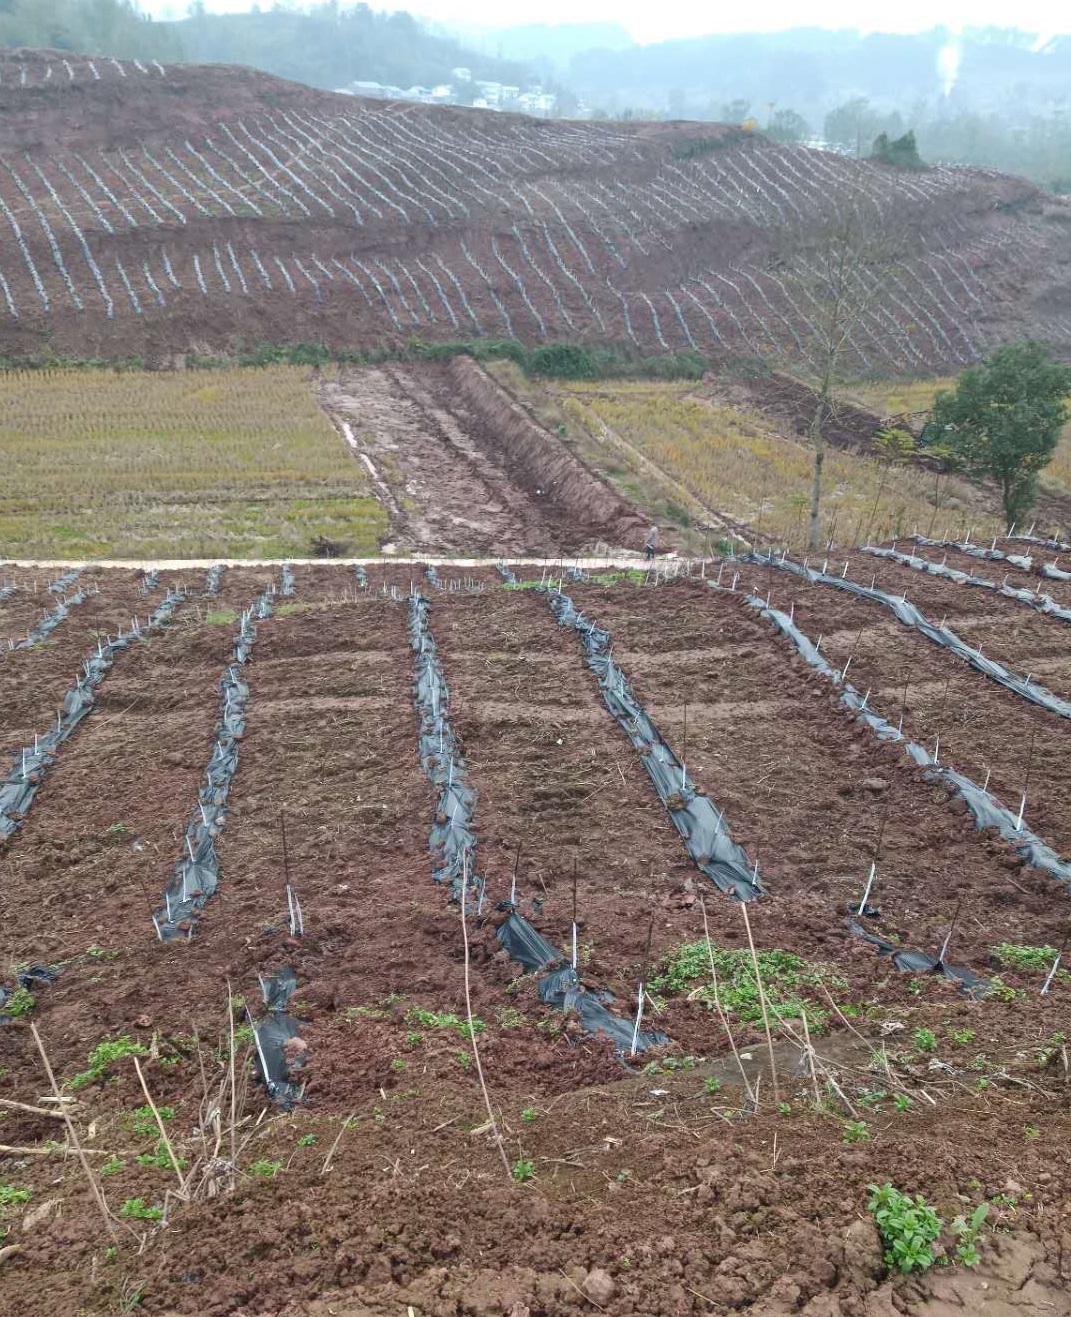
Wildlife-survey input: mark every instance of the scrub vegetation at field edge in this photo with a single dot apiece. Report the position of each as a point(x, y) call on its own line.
point(228, 463)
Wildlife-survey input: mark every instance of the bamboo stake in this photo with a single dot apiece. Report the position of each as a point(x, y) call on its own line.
point(762, 1003)
point(72, 1134)
point(640, 991)
point(183, 1191)
point(721, 1012)
point(468, 1014)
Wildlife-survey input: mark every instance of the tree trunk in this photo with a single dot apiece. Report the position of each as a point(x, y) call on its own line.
point(814, 537)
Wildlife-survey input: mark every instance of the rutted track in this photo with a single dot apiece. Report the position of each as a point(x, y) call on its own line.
point(466, 470)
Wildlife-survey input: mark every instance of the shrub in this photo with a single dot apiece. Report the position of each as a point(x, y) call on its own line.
point(908, 1226)
point(566, 361)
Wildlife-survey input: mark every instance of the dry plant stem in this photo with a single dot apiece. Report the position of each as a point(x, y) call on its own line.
point(64, 1148)
point(718, 1007)
point(234, 1097)
point(72, 1134)
point(33, 1111)
point(334, 1146)
point(810, 1059)
point(183, 1191)
point(762, 1003)
point(468, 1016)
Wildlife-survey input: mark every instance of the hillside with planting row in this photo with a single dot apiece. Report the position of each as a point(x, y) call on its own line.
point(150, 209)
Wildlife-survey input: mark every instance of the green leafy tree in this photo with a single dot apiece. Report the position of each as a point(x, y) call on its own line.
point(901, 152)
point(1003, 421)
point(788, 126)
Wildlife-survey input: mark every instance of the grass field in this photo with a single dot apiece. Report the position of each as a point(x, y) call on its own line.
point(734, 463)
point(236, 463)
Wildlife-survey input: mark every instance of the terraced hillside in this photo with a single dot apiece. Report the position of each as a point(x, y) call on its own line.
point(147, 210)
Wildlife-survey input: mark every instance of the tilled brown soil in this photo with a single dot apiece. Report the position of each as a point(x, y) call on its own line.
point(651, 1193)
point(983, 728)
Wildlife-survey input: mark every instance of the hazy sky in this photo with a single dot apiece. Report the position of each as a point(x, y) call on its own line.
point(687, 18)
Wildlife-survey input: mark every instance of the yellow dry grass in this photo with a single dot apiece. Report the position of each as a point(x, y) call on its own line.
point(733, 463)
point(227, 463)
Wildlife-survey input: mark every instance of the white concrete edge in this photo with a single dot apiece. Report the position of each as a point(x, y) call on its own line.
point(618, 561)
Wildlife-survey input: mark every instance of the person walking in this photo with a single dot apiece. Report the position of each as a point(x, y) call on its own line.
point(650, 546)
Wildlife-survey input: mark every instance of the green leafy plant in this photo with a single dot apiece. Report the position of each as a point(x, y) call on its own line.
point(902, 1102)
point(136, 1209)
point(909, 1227)
point(308, 1141)
point(464, 1060)
point(19, 1004)
point(925, 1040)
point(963, 1036)
point(112, 1166)
point(162, 1159)
point(12, 1197)
point(967, 1232)
point(790, 984)
point(443, 1020)
point(529, 1114)
point(142, 1121)
point(711, 1084)
point(856, 1131)
point(1025, 959)
point(523, 1170)
point(265, 1168)
point(102, 1056)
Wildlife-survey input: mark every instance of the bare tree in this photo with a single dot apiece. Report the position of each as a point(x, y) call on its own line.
point(842, 270)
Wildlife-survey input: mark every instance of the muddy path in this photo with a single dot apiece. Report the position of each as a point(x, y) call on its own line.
point(454, 476)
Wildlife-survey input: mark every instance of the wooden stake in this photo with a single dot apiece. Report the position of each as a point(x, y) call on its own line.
point(643, 984)
point(721, 1012)
point(72, 1134)
point(468, 1015)
point(948, 938)
point(762, 1003)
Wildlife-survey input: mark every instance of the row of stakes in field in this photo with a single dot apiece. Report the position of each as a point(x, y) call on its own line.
point(986, 809)
point(911, 616)
point(1041, 603)
point(453, 845)
point(1047, 858)
point(18, 790)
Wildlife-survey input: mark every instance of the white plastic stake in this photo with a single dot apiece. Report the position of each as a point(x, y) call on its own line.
point(985, 784)
point(1022, 811)
point(1052, 973)
point(639, 1019)
point(869, 885)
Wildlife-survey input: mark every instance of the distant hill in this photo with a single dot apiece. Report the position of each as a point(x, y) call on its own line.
point(331, 47)
point(548, 46)
point(150, 208)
